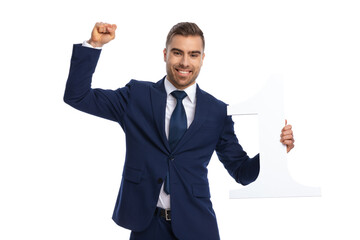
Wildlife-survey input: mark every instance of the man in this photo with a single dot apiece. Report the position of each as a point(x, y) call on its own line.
point(172, 128)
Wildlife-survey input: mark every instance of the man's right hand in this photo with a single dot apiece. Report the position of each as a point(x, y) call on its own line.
point(102, 33)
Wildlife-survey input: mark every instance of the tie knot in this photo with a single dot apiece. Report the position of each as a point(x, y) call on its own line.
point(179, 95)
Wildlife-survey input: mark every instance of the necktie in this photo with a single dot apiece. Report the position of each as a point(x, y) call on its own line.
point(177, 128)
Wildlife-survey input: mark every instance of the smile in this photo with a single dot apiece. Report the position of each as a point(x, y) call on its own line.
point(183, 72)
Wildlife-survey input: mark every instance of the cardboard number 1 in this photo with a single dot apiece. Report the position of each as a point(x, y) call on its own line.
point(274, 179)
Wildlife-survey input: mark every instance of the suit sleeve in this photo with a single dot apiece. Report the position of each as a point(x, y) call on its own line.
point(240, 166)
point(109, 104)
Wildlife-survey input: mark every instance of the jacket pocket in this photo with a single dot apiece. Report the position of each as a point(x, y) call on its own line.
point(132, 174)
point(201, 190)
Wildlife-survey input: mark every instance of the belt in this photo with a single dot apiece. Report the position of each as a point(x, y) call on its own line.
point(165, 213)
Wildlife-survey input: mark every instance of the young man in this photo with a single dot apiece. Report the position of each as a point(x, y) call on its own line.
point(172, 128)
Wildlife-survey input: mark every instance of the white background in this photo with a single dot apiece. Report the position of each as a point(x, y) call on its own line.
point(60, 169)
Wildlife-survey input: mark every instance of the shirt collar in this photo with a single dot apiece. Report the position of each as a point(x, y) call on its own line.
point(190, 91)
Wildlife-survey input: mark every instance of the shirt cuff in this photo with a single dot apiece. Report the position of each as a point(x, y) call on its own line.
point(86, 44)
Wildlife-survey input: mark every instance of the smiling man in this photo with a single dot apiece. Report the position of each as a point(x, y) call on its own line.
point(184, 57)
point(172, 128)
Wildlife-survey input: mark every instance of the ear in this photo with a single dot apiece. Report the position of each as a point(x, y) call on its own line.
point(164, 51)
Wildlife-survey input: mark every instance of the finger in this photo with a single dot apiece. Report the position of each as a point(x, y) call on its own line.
point(96, 27)
point(285, 122)
point(99, 24)
point(111, 27)
point(106, 27)
point(101, 27)
point(287, 132)
point(287, 127)
point(287, 137)
point(288, 142)
point(288, 148)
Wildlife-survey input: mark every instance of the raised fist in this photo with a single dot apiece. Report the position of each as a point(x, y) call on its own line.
point(102, 33)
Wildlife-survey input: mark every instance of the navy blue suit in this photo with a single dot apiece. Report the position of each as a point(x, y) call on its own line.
point(139, 108)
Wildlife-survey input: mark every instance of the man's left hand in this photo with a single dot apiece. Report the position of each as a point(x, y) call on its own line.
point(287, 137)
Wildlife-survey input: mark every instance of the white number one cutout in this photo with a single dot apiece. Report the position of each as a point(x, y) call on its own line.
point(274, 179)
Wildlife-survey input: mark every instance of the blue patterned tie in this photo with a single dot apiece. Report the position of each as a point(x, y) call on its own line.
point(177, 128)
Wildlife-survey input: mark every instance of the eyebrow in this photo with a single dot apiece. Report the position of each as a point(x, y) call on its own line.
point(179, 50)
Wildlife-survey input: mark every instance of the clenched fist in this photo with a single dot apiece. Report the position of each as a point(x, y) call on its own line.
point(102, 33)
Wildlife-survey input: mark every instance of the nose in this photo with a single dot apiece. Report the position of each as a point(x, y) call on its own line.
point(184, 61)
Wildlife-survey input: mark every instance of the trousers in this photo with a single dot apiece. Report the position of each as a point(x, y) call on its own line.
point(159, 229)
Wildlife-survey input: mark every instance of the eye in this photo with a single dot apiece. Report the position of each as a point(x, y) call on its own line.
point(194, 55)
point(177, 53)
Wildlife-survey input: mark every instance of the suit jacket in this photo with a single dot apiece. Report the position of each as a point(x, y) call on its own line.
point(139, 108)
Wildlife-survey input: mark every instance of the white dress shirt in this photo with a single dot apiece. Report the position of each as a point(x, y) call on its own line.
point(86, 44)
point(189, 103)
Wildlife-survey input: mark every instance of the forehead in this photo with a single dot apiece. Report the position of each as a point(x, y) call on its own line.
point(186, 43)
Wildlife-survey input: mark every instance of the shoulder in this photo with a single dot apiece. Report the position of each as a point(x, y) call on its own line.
point(140, 83)
point(215, 107)
point(143, 88)
point(210, 98)
point(144, 84)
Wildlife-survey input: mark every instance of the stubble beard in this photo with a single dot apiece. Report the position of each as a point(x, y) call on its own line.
point(177, 81)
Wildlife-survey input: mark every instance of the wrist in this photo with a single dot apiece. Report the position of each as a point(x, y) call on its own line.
point(95, 44)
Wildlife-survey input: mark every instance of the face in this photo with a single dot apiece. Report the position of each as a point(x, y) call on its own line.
point(184, 57)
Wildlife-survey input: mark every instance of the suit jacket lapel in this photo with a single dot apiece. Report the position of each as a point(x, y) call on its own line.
point(158, 101)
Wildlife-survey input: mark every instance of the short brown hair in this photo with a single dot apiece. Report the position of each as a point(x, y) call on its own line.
point(185, 29)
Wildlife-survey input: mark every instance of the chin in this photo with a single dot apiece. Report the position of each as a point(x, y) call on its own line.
point(185, 84)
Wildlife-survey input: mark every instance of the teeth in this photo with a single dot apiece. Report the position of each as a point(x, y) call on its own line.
point(183, 72)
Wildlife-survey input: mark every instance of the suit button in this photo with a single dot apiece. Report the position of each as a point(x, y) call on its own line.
point(160, 180)
point(171, 158)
